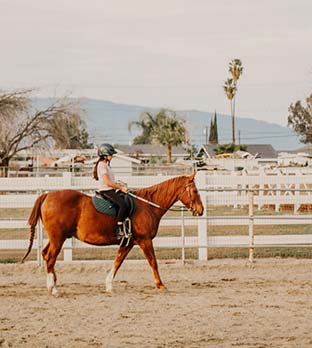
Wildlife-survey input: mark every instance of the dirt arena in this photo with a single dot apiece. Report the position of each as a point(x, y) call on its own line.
point(222, 303)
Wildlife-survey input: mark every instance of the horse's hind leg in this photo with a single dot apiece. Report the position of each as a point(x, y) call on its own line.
point(46, 257)
point(50, 253)
point(45, 251)
point(147, 247)
point(122, 253)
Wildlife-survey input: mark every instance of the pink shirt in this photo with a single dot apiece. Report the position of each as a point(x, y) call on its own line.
point(104, 168)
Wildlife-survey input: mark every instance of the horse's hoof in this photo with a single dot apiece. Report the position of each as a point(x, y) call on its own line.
point(162, 289)
point(109, 289)
point(55, 292)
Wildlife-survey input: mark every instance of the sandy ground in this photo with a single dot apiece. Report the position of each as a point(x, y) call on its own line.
point(222, 303)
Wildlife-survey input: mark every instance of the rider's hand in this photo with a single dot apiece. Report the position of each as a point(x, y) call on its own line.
point(124, 189)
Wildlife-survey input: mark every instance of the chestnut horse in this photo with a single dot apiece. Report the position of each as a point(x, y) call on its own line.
point(69, 213)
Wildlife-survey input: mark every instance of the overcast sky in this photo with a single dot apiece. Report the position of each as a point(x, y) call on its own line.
point(164, 53)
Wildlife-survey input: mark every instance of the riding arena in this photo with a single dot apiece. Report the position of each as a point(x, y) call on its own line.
point(225, 262)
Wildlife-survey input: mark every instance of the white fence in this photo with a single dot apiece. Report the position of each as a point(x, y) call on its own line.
point(216, 190)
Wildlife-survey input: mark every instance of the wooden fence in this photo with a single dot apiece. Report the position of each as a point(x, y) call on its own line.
point(215, 190)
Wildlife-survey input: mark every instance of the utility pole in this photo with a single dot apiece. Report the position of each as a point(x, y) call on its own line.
point(206, 133)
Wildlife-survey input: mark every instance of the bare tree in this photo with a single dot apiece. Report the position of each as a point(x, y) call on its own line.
point(12, 103)
point(68, 131)
point(22, 126)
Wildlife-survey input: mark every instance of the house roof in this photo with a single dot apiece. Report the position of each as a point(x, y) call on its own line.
point(263, 150)
point(208, 150)
point(150, 150)
point(306, 149)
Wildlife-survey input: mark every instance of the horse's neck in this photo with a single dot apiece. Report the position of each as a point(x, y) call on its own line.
point(164, 194)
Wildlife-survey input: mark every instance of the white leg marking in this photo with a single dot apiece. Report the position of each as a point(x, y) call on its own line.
point(50, 282)
point(109, 280)
point(55, 292)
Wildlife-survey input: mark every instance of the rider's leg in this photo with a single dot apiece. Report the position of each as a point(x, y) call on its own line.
point(122, 211)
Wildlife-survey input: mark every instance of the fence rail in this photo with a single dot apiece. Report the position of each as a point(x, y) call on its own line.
point(250, 191)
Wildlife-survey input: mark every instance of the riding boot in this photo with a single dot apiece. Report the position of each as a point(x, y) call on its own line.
point(120, 231)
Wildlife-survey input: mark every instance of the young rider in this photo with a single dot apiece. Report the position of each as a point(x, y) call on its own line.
point(107, 184)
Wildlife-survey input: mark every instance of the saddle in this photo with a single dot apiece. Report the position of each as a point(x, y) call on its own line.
point(105, 206)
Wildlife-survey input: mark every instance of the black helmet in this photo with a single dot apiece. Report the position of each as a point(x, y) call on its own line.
point(106, 150)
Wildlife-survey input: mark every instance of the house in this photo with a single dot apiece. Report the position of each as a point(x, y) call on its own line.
point(125, 165)
point(122, 165)
point(148, 153)
point(255, 155)
point(305, 149)
point(256, 150)
point(82, 161)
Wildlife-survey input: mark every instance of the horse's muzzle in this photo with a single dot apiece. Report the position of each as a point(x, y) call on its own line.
point(198, 212)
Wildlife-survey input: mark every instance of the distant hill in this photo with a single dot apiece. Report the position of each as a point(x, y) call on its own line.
point(108, 122)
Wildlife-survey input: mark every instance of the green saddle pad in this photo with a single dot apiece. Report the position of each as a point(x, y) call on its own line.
point(104, 206)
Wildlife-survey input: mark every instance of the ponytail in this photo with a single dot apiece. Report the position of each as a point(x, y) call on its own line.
point(95, 174)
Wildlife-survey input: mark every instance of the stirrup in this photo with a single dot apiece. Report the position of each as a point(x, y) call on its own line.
point(124, 232)
point(120, 232)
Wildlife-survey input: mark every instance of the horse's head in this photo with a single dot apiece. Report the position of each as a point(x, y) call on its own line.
point(190, 197)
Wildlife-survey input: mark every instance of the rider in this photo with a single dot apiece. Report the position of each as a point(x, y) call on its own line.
point(107, 184)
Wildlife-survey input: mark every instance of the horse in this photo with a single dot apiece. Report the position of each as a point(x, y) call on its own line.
point(69, 213)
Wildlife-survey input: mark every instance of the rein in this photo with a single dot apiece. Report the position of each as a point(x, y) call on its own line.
point(154, 204)
point(160, 207)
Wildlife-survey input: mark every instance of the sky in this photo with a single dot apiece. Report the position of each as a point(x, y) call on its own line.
point(164, 53)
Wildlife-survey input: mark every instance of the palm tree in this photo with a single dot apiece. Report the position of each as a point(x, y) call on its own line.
point(146, 124)
point(230, 88)
point(169, 131)
point(236, 69)
point(164, 128)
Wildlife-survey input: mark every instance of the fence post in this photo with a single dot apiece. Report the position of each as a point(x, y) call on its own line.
point(183, 236)
point(39, 242)
point(251, 225)
point(67, 176)
point(202, 222)
point(39, 237)
point(68, 250)
point(297, 195)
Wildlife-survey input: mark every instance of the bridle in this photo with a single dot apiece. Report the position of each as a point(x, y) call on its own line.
point(188, 191)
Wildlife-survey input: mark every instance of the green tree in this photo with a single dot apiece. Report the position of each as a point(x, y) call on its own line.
point(169, 131)
point(23, 127)
point(215, 126)
point(164, 128)
point(229, 148)
point(213, 135)
point(146, 123)
point(230, 88)
point(300, 119)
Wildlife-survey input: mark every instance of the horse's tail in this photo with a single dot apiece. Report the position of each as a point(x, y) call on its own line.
point(32, 221)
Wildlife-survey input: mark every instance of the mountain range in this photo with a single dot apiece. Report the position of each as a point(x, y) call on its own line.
point(108, 122)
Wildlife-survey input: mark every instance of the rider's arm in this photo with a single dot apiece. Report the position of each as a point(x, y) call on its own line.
point(113, 185)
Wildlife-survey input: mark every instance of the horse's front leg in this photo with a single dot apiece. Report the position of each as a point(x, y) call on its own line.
point(122, 253)
point(148, 249)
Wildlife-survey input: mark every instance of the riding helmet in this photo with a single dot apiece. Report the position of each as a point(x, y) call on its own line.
point(106, 150)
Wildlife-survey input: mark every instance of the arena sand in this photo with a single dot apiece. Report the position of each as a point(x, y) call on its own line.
point(221, 303)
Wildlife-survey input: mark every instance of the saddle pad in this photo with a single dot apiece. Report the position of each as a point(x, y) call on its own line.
point(104, 206)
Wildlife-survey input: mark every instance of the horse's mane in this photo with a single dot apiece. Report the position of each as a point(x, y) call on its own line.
point(158, 191)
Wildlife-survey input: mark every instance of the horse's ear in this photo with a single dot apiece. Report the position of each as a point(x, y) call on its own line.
point(191, 177)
